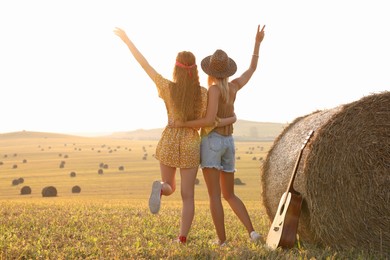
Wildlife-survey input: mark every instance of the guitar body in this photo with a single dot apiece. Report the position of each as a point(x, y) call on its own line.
point(291, 221)
point(285, 225)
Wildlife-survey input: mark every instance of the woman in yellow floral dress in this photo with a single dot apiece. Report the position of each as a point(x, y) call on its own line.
point(184, 100)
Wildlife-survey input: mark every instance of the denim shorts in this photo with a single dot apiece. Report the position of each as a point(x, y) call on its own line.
point(218, 151)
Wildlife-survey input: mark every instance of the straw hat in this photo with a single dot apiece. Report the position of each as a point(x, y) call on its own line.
point(219, 65)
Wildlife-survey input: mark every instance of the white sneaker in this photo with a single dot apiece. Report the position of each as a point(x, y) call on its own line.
point(256, 237)
point(218, 243)
point(223, 244)
point(155, 197)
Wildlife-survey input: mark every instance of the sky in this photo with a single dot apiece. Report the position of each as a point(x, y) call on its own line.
point(63, 70)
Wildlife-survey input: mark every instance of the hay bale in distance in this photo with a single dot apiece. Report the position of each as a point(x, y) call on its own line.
point(72, 174)
point(49, 191)
point(343, 175)
point(25, 190)
point(197, 181)
point(76, 189)
point(15, 182)
point(237, 181)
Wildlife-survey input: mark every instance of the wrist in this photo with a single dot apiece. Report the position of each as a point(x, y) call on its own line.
point(217, 121)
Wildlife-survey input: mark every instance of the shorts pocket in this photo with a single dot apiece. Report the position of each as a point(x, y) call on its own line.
point(215, 143)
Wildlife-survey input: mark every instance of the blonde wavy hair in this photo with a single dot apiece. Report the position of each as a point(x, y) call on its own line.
point(222, 84)
point(186, 92)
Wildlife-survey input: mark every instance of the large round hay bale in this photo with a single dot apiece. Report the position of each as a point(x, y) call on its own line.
point(76, 189)
point(49, 191)
point(25, 190)
point(343, 175)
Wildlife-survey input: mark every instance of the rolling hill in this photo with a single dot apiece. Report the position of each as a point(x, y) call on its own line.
point(32, 134)
point(243, 131)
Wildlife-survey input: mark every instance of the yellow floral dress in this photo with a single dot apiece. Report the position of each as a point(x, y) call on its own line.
point(178, 147)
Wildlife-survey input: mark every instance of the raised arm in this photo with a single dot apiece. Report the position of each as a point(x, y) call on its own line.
point(246, 76)
point(136, 53)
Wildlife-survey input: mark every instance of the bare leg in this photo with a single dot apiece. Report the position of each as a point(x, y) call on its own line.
point(187, 188)
point(211, 176)
point(227, 184)
point(168, 180)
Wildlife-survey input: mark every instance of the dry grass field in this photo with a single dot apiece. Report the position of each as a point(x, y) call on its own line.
point(109, 218)
point(128, 166)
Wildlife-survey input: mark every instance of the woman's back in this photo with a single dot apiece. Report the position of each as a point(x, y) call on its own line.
point(226, 109)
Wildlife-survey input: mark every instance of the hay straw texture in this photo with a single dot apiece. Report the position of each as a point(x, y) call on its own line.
point(343, 175)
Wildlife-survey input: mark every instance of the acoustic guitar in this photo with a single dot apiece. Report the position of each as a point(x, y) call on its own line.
point(284, 227)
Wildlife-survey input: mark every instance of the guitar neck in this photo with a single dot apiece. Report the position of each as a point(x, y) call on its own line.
point(290, 187)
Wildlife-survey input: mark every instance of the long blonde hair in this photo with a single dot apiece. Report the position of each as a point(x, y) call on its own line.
point(223, 85)
point(186, 92)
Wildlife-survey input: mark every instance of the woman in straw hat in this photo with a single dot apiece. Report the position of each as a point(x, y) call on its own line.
point(184, 99)
point(217, 147)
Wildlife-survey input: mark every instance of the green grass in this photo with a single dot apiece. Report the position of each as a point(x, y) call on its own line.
point(110, 218)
